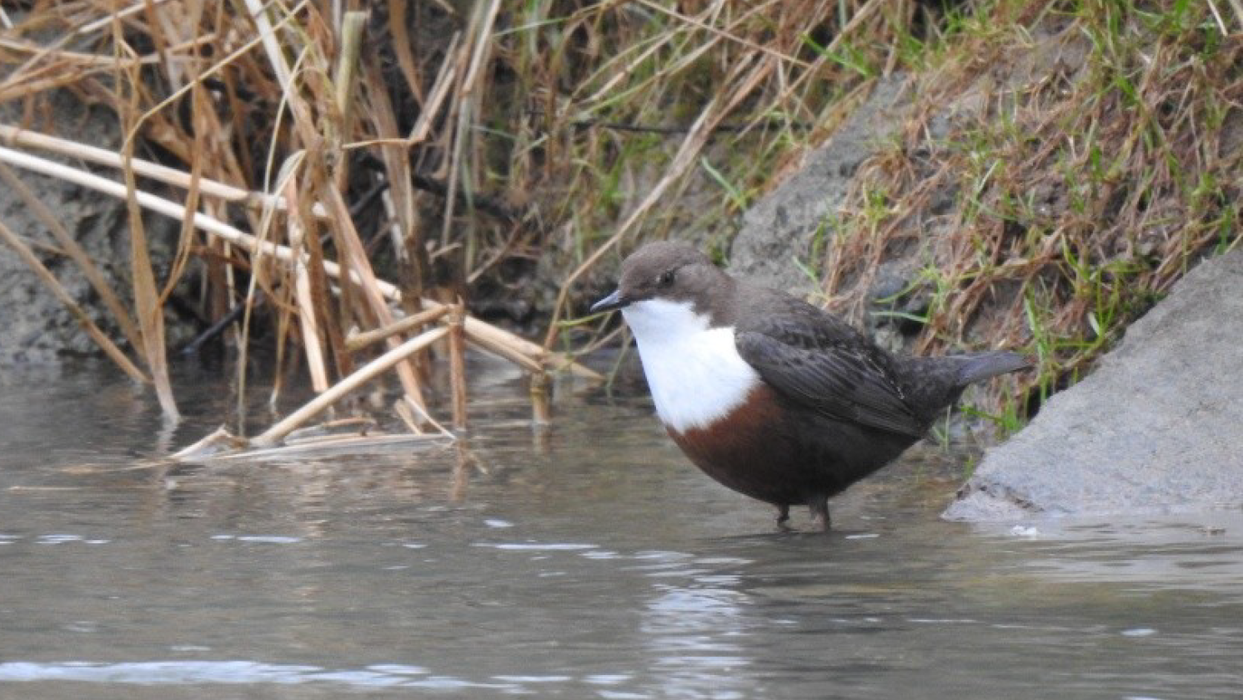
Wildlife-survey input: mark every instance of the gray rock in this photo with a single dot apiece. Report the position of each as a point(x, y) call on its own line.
point(1158, 427)
point(781, 227)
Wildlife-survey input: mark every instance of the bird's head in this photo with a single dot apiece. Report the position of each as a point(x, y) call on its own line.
point(666, 271)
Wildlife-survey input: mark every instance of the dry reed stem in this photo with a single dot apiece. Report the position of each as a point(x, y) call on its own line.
point(267, 37)
point(402, 44)
point(172, 176)
point(348, 426)
point(221, 446)
point(401, 407)
point(116, 15)
point(457, 364)
point(360, 266)
point(1237, 6)
point(345, 79)
point(346, 236)
point(482, 20)
point(358, 341)
point(132, 133)
point(361, 376)
point(346, 75)
point(427, 118)
point(496, 340)
point(339, 445)
point(483, 336)
point(147, 306)
point(541, 399)
point(311, 338)
point(71, 57)
point(186, 235)
point(398, 198)
point(216, 442)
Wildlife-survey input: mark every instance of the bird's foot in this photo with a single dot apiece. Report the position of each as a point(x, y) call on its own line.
point(783, 518)
point(820, 514)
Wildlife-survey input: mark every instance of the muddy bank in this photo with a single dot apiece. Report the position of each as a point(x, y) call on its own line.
point(37, 329)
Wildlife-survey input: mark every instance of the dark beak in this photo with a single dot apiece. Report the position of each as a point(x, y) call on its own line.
point(610, 302)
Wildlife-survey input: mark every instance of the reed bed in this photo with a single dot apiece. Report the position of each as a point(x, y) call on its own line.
point(259, 114)
point(312, 149)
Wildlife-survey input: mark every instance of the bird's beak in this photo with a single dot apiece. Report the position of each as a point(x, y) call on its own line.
point(610, 302)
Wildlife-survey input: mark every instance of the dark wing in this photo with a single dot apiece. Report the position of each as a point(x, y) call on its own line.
point(820, 362)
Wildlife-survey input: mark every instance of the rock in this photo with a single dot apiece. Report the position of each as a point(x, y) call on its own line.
point(1157, 427)
point(780, 228)
point(897, 288)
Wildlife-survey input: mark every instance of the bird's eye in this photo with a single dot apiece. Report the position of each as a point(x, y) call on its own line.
point(665, 279)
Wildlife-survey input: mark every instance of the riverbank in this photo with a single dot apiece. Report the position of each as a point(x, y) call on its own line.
point(993, 174)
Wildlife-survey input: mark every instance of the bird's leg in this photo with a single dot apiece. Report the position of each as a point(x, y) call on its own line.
point(783, 516)
point(819, 507)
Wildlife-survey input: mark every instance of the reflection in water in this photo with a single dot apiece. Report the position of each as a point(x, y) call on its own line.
point(695, 633)
point(243, 673)
point(586, 560)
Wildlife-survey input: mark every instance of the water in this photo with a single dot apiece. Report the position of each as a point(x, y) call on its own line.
point(590, 562)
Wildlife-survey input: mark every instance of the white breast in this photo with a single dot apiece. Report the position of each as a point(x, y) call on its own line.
point(695, 372)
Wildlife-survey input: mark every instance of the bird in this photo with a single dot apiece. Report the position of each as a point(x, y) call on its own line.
point(769, 395)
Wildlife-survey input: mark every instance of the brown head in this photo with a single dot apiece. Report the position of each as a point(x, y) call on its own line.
point(669, 271)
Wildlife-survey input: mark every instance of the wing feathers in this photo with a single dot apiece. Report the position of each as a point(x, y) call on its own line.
point(822, 364)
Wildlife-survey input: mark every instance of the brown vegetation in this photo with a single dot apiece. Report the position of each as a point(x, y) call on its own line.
point(1093, 155)
point(455, 147)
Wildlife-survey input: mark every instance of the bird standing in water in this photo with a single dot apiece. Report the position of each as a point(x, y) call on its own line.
point(771, 396)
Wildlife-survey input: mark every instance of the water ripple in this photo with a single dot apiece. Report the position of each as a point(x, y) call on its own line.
point(237, 672)
point(535, 546)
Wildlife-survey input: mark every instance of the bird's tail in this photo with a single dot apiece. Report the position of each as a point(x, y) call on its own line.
point(976, 368)
point(932, 383)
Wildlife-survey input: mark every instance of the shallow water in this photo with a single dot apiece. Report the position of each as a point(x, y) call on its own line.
point(590, 561)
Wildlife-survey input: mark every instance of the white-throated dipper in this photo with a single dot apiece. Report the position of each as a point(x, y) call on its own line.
point(769, 395)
